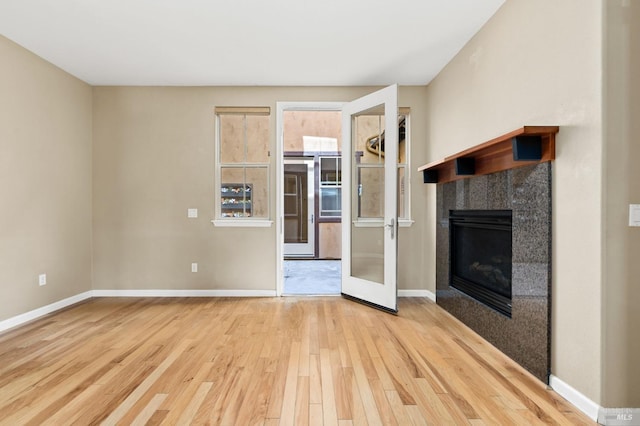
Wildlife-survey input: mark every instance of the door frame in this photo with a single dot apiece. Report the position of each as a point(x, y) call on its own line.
point(281, 107)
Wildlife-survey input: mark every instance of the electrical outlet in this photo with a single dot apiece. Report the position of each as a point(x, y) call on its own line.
point(192, 213)
point(42, 279)
point(194, 267)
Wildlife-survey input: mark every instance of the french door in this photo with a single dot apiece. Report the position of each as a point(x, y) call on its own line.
point(369, 199)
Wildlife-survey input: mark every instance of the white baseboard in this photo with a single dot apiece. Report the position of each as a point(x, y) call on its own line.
point(417, 293)
point(225, 293)
point(569, 393)
point(37, 313)
point(184, 293)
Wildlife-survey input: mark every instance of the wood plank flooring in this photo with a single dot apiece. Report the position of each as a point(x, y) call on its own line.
point(270, 361)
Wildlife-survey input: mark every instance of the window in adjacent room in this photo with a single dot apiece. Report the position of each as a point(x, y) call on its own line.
point(404, 208)
point(242, 166)
point(330, 186)
point(369, 166)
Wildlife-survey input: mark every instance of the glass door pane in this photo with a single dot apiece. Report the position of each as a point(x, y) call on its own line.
point(367, 212)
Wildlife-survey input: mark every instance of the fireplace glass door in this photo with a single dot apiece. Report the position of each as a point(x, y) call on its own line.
point(481, 252)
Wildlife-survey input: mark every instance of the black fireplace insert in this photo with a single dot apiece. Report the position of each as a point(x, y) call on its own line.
point(480, 256)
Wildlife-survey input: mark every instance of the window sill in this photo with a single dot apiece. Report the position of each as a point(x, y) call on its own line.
point(242, 223)
point(378, 223)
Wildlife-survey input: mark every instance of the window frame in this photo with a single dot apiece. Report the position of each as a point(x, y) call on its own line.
point(337, 185)
point(250, 221)
point(405, 186)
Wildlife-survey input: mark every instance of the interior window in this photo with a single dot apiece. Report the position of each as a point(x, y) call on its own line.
point(330, 186)
point(369, 165)
point(242, 163)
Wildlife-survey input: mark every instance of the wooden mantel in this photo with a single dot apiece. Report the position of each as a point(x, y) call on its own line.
point(521, 147)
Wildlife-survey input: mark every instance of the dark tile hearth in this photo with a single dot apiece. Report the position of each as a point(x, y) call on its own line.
point(527, 192)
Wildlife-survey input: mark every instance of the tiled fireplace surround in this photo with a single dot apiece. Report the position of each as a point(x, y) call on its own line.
point(527, 192)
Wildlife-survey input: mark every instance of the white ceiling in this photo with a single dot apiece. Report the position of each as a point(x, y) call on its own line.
point(246, 42)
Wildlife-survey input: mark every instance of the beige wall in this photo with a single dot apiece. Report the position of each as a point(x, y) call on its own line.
point(620, 284)
point(298, 124)
point(330, 244)
point(539, 63)
point(153, 159)
point(45, 182)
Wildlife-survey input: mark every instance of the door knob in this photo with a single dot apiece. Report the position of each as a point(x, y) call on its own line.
point(392, 227)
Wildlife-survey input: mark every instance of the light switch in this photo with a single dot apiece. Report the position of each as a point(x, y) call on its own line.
point(192, 213)
point(634, 214)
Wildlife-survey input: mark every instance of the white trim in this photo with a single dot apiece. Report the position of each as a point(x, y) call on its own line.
point(369, 223)
point(309, 106)
point(311, 295)
point(407, 177)
point(417, 293)
point(576, 398)
point(378, 223)
point(184, 293)
point(45, 310)
point(242, 223)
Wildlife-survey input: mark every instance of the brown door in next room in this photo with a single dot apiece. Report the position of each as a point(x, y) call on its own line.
point(299, 209)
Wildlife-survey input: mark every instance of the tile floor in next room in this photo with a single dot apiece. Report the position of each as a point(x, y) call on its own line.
point(312, 277)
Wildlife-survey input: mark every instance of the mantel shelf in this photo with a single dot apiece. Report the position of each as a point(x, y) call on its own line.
point(521, 147)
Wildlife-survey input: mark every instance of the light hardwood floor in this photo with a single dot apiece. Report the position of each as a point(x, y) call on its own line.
point(287, 361)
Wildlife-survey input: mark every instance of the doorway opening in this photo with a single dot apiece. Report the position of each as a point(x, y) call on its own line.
point(316, 277)
point(311, 199)
point(343, 154)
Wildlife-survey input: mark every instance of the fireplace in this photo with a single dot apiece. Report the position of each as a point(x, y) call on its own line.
point(481, 256)
point(523, 195)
